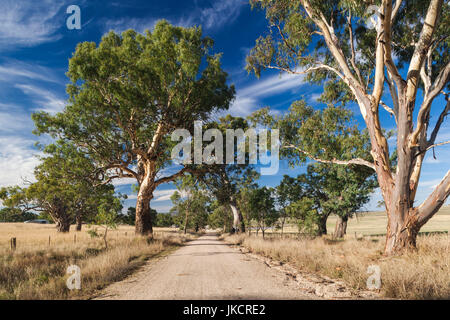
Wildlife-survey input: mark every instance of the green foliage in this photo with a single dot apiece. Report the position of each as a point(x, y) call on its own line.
point(191, 207)
point(220, 217)
point(131, 87)
point(129, 217)
point(164, 220)
point(65, 187)
point(225, 180)
point(106, 218)
point(262, 207)
point(293, 41)
point(327, 134)
point(15, 215)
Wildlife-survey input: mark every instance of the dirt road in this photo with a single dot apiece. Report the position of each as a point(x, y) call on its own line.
point(207, 268)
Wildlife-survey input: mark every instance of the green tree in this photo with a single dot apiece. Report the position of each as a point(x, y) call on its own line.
point(129, 217)
point(15, 215)
point(331, 134)
point(262, 204)
point(106, 218)
point(224, 180)
point(220, 217)
point(164, 220)
point(329, 42)
point(64, 188)
point(286, 193)
point(190, 202)
point(129, 93)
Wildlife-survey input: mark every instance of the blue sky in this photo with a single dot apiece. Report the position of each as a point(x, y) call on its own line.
point(35, 46)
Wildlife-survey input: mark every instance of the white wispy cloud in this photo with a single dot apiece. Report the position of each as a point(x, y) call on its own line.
point(44, 99)
point(124, 182)
point(215, 16)
point(220, 13)
point(17, 160)
point(27, 22)
point(123, 24)
point(14, 70)
point(163, 195)
point(248, 98)
point(162, 208)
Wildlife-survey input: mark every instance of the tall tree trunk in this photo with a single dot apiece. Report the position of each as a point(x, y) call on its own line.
point(322, 225)
point(186, 219)
point(238, 221)
point(341, 226)
point(144, 226)
point(58, 212)
point(263, 228)
point(63, 224)
point(79, 222)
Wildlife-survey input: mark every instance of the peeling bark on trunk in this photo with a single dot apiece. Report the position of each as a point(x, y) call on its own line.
point(341, 227)
point(401, 235)
point(144, 225)
point(398, 186)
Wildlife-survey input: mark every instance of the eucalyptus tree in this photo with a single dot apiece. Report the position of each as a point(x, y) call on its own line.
point(64, 189)
point(128, 93)
point(287, 192)
point(222, 179)
point(220, 217)
point(331, 43)
point(262, 206)
point(192, 207)
point(328, 136)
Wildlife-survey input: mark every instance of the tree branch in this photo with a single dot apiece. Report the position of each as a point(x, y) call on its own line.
point(439, 122)
point(357, 161)
point(392, 68)
point(435, 201)
point(173, 176)
point(421, 48)
point(435, 89)
point(352, 47)
point(438, 144)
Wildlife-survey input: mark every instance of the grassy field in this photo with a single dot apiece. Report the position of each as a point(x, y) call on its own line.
point(375, 223)
point(37, 268)
point(423, 274)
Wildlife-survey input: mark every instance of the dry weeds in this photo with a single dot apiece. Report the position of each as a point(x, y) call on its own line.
point(37, 269)
point(424, 274)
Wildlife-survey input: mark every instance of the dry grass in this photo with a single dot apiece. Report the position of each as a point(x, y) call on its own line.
point(374, 223)
point(424, 274)
point(37, 270)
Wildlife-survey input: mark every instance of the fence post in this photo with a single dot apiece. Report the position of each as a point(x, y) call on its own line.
point(75, 238)
point(49, 241)
point(13, 244)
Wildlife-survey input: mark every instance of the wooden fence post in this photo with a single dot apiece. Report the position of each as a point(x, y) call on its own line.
point(13, 244)
point(48, 240)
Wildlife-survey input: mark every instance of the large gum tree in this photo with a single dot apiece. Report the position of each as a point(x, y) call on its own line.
point(405, 56)
point(128, 93)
